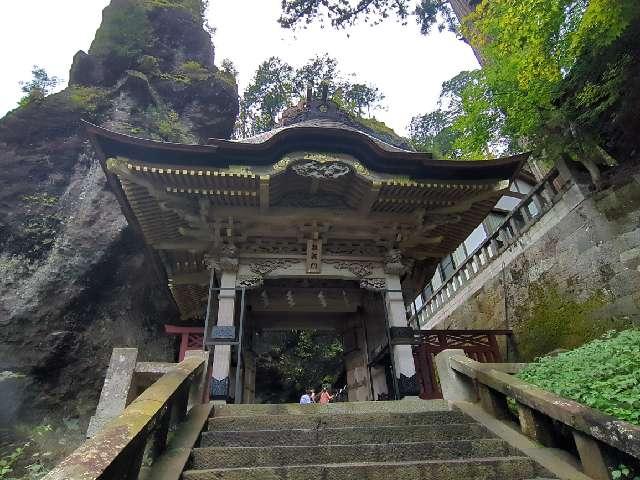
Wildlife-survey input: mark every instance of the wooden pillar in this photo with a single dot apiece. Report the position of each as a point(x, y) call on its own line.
point(403, 363)
point(249, 362)
point(222, 353)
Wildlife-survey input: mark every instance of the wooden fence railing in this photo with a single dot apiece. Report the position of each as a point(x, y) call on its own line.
point(480, 345)
point(540, 413)
point(530, 209)
point(117, 451)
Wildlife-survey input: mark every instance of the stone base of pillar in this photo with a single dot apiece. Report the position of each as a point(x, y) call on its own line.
point(379, 380)
point(357, 377)
point(220, 389)
point(249, 387)
point(408, 386)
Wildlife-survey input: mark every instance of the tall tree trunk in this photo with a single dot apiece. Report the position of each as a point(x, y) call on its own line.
point(462, 8)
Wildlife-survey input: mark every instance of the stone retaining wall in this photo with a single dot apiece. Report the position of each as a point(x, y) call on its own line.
point(572, 276)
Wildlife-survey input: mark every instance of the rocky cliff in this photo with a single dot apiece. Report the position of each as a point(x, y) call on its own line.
point(74, 281)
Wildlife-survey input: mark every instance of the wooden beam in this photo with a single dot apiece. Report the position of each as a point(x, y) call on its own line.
point(182, 245)
point(498, 188)
point(179, 330)
point(264, 193)
point(370, 198)
point(194, 278)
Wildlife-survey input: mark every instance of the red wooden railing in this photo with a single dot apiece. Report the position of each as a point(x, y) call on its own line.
point(480, 345)
point(190, 338)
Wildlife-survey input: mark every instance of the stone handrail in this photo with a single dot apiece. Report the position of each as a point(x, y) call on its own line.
point(117, 451)
point(530, 209)
point(593, 431)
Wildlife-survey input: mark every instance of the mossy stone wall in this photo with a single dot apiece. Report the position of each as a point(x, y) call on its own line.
point(572, 277)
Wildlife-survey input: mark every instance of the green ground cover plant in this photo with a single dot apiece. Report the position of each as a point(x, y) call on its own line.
point(602, 374)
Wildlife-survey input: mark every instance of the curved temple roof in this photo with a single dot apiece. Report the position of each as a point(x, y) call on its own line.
point(308, 136)
point(371, 195)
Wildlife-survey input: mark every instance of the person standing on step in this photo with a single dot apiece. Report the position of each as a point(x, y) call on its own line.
point(325, 396)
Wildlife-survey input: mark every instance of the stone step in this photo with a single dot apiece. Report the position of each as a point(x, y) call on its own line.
point(288, 422)
point(345, 436)
point(274, 456)
point(497, 468)
point(403, 406)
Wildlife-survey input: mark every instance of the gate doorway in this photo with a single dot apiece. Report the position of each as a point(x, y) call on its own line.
point(290, 361)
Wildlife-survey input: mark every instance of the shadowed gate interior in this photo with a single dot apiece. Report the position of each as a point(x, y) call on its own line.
point(330, 329)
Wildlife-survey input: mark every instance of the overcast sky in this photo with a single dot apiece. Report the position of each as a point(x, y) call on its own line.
point(407, 67)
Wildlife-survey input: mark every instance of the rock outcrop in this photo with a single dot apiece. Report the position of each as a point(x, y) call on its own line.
point(74, 281)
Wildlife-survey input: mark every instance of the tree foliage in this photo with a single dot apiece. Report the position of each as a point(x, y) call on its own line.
point(466, 124)
point(344, 13)
point(294, 361)
point(559, 75)
point(538, 88)
point(40, 85)
point(533, 49)
point(277, 85)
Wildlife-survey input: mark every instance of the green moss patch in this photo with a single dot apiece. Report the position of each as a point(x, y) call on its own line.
point(376, 126)
point(194, 71)
point(381, 130)
point(87, 99)
point(166, 123)
point(226, 77)
point(194, 7)
point(125, 32)
point(602, 374)
point(556, 319)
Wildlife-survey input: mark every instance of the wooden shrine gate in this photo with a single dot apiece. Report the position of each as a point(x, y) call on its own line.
point(480, 345)
point(190, 338)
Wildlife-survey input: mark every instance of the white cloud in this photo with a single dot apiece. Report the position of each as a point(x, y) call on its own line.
point(408, 67)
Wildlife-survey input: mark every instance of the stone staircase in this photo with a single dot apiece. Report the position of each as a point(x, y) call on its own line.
point(364, 440)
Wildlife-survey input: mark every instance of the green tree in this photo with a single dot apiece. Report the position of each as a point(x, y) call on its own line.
point(466, 124)
point(555, 77)
point(277, 85)
point(341, 13)
point(40, 85)
point(268, 94)
point(318, 70)
point(229, 68)
point(359, 97)
point(530, 53)
point(432, 133)
point(291, 362)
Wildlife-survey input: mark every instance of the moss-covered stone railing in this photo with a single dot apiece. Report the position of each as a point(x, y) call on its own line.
point(139, 434)
point(541, 414)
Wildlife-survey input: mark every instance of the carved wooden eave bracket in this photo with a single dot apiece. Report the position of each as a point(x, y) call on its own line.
point(260, 268)
point(358, 269)
point(223, 259)
point(373, 284)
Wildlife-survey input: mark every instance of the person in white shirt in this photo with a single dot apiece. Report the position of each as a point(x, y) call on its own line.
point(306, 398)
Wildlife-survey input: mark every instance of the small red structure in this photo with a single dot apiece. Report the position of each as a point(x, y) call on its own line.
point(192, 338)
point(480, 345)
